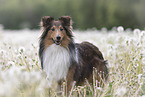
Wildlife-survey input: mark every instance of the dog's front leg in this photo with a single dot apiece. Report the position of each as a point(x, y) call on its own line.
point(70, 79)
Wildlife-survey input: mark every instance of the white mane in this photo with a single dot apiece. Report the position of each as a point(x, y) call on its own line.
point(56, 62)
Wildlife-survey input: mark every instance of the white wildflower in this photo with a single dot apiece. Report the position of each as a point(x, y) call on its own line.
point(120, 29)
point(21, 49)
point(121, 91)
point(11, 63)
point(3, 52)
point(143, 33)
point(136, 32)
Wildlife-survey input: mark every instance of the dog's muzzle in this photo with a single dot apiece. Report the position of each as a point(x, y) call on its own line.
point(57, 41)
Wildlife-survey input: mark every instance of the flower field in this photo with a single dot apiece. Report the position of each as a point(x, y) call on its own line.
point(21, 74)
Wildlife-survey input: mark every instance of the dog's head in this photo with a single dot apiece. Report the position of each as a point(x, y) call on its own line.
point(58, 32)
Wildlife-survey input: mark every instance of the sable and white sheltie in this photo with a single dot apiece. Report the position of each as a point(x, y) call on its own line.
point(62, 59)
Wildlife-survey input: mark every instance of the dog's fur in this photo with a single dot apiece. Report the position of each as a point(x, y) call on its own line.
point(61, 58)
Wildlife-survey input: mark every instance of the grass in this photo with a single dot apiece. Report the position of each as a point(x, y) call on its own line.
point(21, 74)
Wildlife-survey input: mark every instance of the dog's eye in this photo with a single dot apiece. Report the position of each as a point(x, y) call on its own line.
point(61, 29)
point(53, 29)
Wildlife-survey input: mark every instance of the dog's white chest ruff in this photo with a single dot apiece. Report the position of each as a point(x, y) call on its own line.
point(56, 62)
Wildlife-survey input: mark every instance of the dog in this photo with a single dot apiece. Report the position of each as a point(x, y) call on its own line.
point(62, 59)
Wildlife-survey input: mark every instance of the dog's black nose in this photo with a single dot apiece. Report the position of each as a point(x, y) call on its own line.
point(58, 37)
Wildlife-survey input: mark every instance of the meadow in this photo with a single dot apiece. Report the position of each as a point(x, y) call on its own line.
point(21, 74)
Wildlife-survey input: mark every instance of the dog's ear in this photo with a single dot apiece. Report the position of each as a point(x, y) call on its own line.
point(46, 20)
point(66, 20)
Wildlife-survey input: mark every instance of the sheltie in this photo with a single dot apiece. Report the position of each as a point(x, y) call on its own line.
point(62, 59)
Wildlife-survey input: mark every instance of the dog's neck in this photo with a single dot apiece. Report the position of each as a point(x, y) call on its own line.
point(56, 62)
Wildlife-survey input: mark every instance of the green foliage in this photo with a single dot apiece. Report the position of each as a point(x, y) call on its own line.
point(16, 14)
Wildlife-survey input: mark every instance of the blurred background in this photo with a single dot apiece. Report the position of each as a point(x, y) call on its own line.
point(86, 14)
